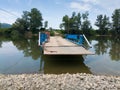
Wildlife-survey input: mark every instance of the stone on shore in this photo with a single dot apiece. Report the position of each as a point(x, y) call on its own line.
point(59, 82)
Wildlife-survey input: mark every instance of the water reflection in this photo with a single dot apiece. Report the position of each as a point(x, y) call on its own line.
point(24, 56)
point(29, 47)
point(3, 39)
point(102, 46)
point(0, 44)
point(108, 45)
point(115, 49)
point(64, 64)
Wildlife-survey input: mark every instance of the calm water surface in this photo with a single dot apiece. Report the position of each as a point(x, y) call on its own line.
point(24, 56)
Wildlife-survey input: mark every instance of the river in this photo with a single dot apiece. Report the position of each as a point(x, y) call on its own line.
point(24, 56)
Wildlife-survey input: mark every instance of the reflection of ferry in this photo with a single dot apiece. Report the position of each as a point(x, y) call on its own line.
point(64, 64)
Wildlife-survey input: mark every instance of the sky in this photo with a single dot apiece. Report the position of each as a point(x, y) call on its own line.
point(53, 10)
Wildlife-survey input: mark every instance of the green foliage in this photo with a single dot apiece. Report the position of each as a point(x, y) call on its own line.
point(66, 21)
point(52, 33)
point(19, 26)
point(86, 25)
point(61, 26)
point(26, 20)
point(45, 24)
point(78, 19)
point(0, 25)
point(5, 31)
point(116, 21)
point(15, 34)
point(74, 23)
point(35, 19)
point(60, 31)
point(103, 23)
point(30, 21)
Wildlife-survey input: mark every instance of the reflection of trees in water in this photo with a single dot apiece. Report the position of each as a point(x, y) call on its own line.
point(3, 39)
point(29, 47)
point(0, 44)
point(105, 43)
point(102, 46)
point(115, 49)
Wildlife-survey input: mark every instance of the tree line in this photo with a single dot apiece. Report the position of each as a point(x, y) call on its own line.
point(76, 22)
point(80, 23)
point(30, 21)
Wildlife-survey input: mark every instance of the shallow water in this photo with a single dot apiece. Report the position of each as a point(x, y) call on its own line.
point(24, 56)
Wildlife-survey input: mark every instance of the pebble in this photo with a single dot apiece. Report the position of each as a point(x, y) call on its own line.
point(79, 81)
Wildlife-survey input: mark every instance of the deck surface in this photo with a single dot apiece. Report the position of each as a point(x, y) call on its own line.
point(60, 46)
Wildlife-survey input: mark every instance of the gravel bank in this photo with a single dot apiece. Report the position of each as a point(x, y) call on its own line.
point(59, 82)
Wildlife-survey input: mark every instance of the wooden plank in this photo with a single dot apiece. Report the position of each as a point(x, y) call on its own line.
point(66, 51)
point(60, 46)
point(59, 41)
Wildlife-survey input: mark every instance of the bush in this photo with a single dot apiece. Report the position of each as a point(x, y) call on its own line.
point(52, 33)
point(15, 34)
point(5, 31)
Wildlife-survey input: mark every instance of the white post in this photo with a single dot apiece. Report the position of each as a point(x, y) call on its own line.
point(87, 40)
point(39, 39)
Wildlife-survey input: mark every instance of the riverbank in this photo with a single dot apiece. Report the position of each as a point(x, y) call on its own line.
point(59, 82)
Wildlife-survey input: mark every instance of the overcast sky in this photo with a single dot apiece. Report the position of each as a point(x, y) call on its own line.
point(53, 10)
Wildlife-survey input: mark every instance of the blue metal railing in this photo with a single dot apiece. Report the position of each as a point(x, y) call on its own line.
point(78, 39)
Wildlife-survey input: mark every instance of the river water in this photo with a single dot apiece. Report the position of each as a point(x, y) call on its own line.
point(24, 56)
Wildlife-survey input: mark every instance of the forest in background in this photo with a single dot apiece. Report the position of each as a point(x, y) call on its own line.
point(78, 23)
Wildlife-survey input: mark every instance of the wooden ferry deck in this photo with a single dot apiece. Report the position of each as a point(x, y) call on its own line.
point(60, 46)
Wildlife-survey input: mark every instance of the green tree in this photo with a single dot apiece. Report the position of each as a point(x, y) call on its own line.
point(71, 24)
point(35, 20)
point(0, 25)
point(86, 25)
point(106, 24)
point(66, 23)
point(22, 24)
point(61, 26)
point(116, 21)
point(30, 21)
point(99, 21)
point(26, 20)
point(19, 26)
point(103, 24)
point(45, 24)
point(78, 21)
point(74, 23)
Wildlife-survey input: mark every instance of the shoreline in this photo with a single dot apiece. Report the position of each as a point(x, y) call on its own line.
point(79, 81)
